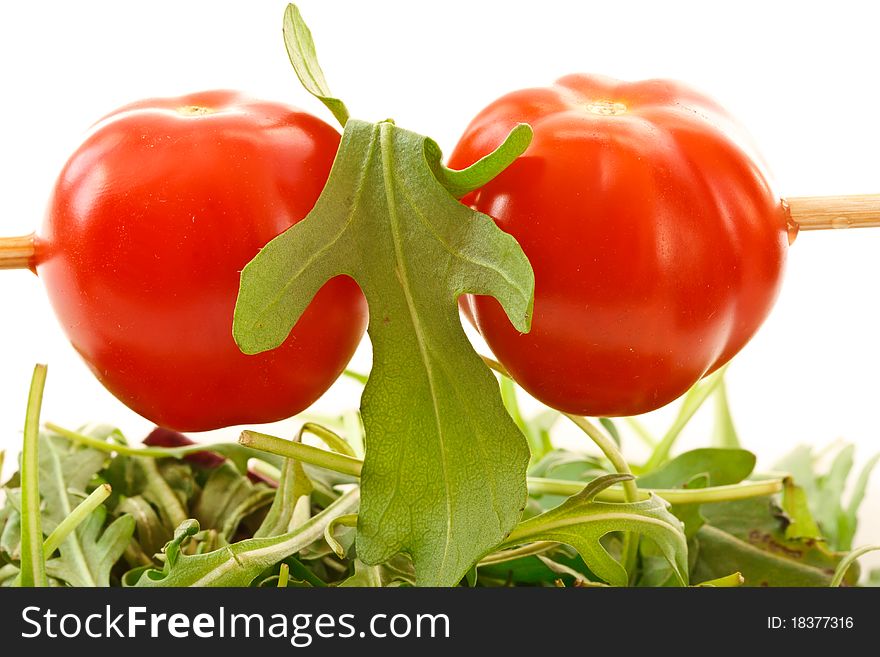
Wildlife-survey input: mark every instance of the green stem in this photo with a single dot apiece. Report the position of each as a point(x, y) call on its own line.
point(727, 582)
point(537, 485)
point(283, 576)
point(119, 448)
point(712, 494)
point(848, 561)
point(528, 550)
point(333, 440)
point(610, 450)
point(351, 466)
point(74, 519)
point(33, 565)
point(348, 520)
point(691, 404)
point(306, 453)
point(630, 489)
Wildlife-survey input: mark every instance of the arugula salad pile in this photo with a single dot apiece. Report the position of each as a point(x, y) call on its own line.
point(89, 509)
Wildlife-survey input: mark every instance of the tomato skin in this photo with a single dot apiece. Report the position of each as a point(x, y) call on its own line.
point(149, 225)
point(657, 242)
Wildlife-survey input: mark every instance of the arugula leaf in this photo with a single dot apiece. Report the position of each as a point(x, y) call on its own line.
point(794, 504)
point(10, 527)
point(849, 519)
point(837, 519)
point(561, 464)
point(301, 51)
point(240, 563)
point(748, 536)
point(87, 555)
point(431, 409)
point(227, 498)
point(698, 468)
point(150, 531)
point(581, 522)
point(97, 550)
point(293, 492)
point(722, 466)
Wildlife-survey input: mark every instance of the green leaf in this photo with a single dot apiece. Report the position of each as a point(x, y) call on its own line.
point(240, 563)
point(227, 498)
point(733, 580)
point(801, 524)
point(824, 492)
point(158, 491)
point(581, 522)
point(151, 533)
point(301, 51)
point(74, 519)
point(829, 505)
point(690, 514)
point(849, 521)
point(444, 472)
point(8, 575)
point(722, 466)
point(98, 549)
point(748, 536)
point(10, 528)
point(293, 492)
point(66, 470)
point(464, 181)
point(799, 464)
point(565, 465)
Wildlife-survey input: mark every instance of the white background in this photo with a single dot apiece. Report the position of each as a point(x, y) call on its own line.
point(801, 76)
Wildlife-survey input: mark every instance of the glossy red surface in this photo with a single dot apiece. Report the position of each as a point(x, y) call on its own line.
point(657, 242)
point(149, 225)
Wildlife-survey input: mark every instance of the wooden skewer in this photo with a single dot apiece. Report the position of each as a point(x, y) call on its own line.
point(17, 252)
point(826, 212)
point(807, 212)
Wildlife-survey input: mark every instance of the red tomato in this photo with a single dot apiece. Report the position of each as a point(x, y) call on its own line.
point(657, 243)
point(148, 228)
